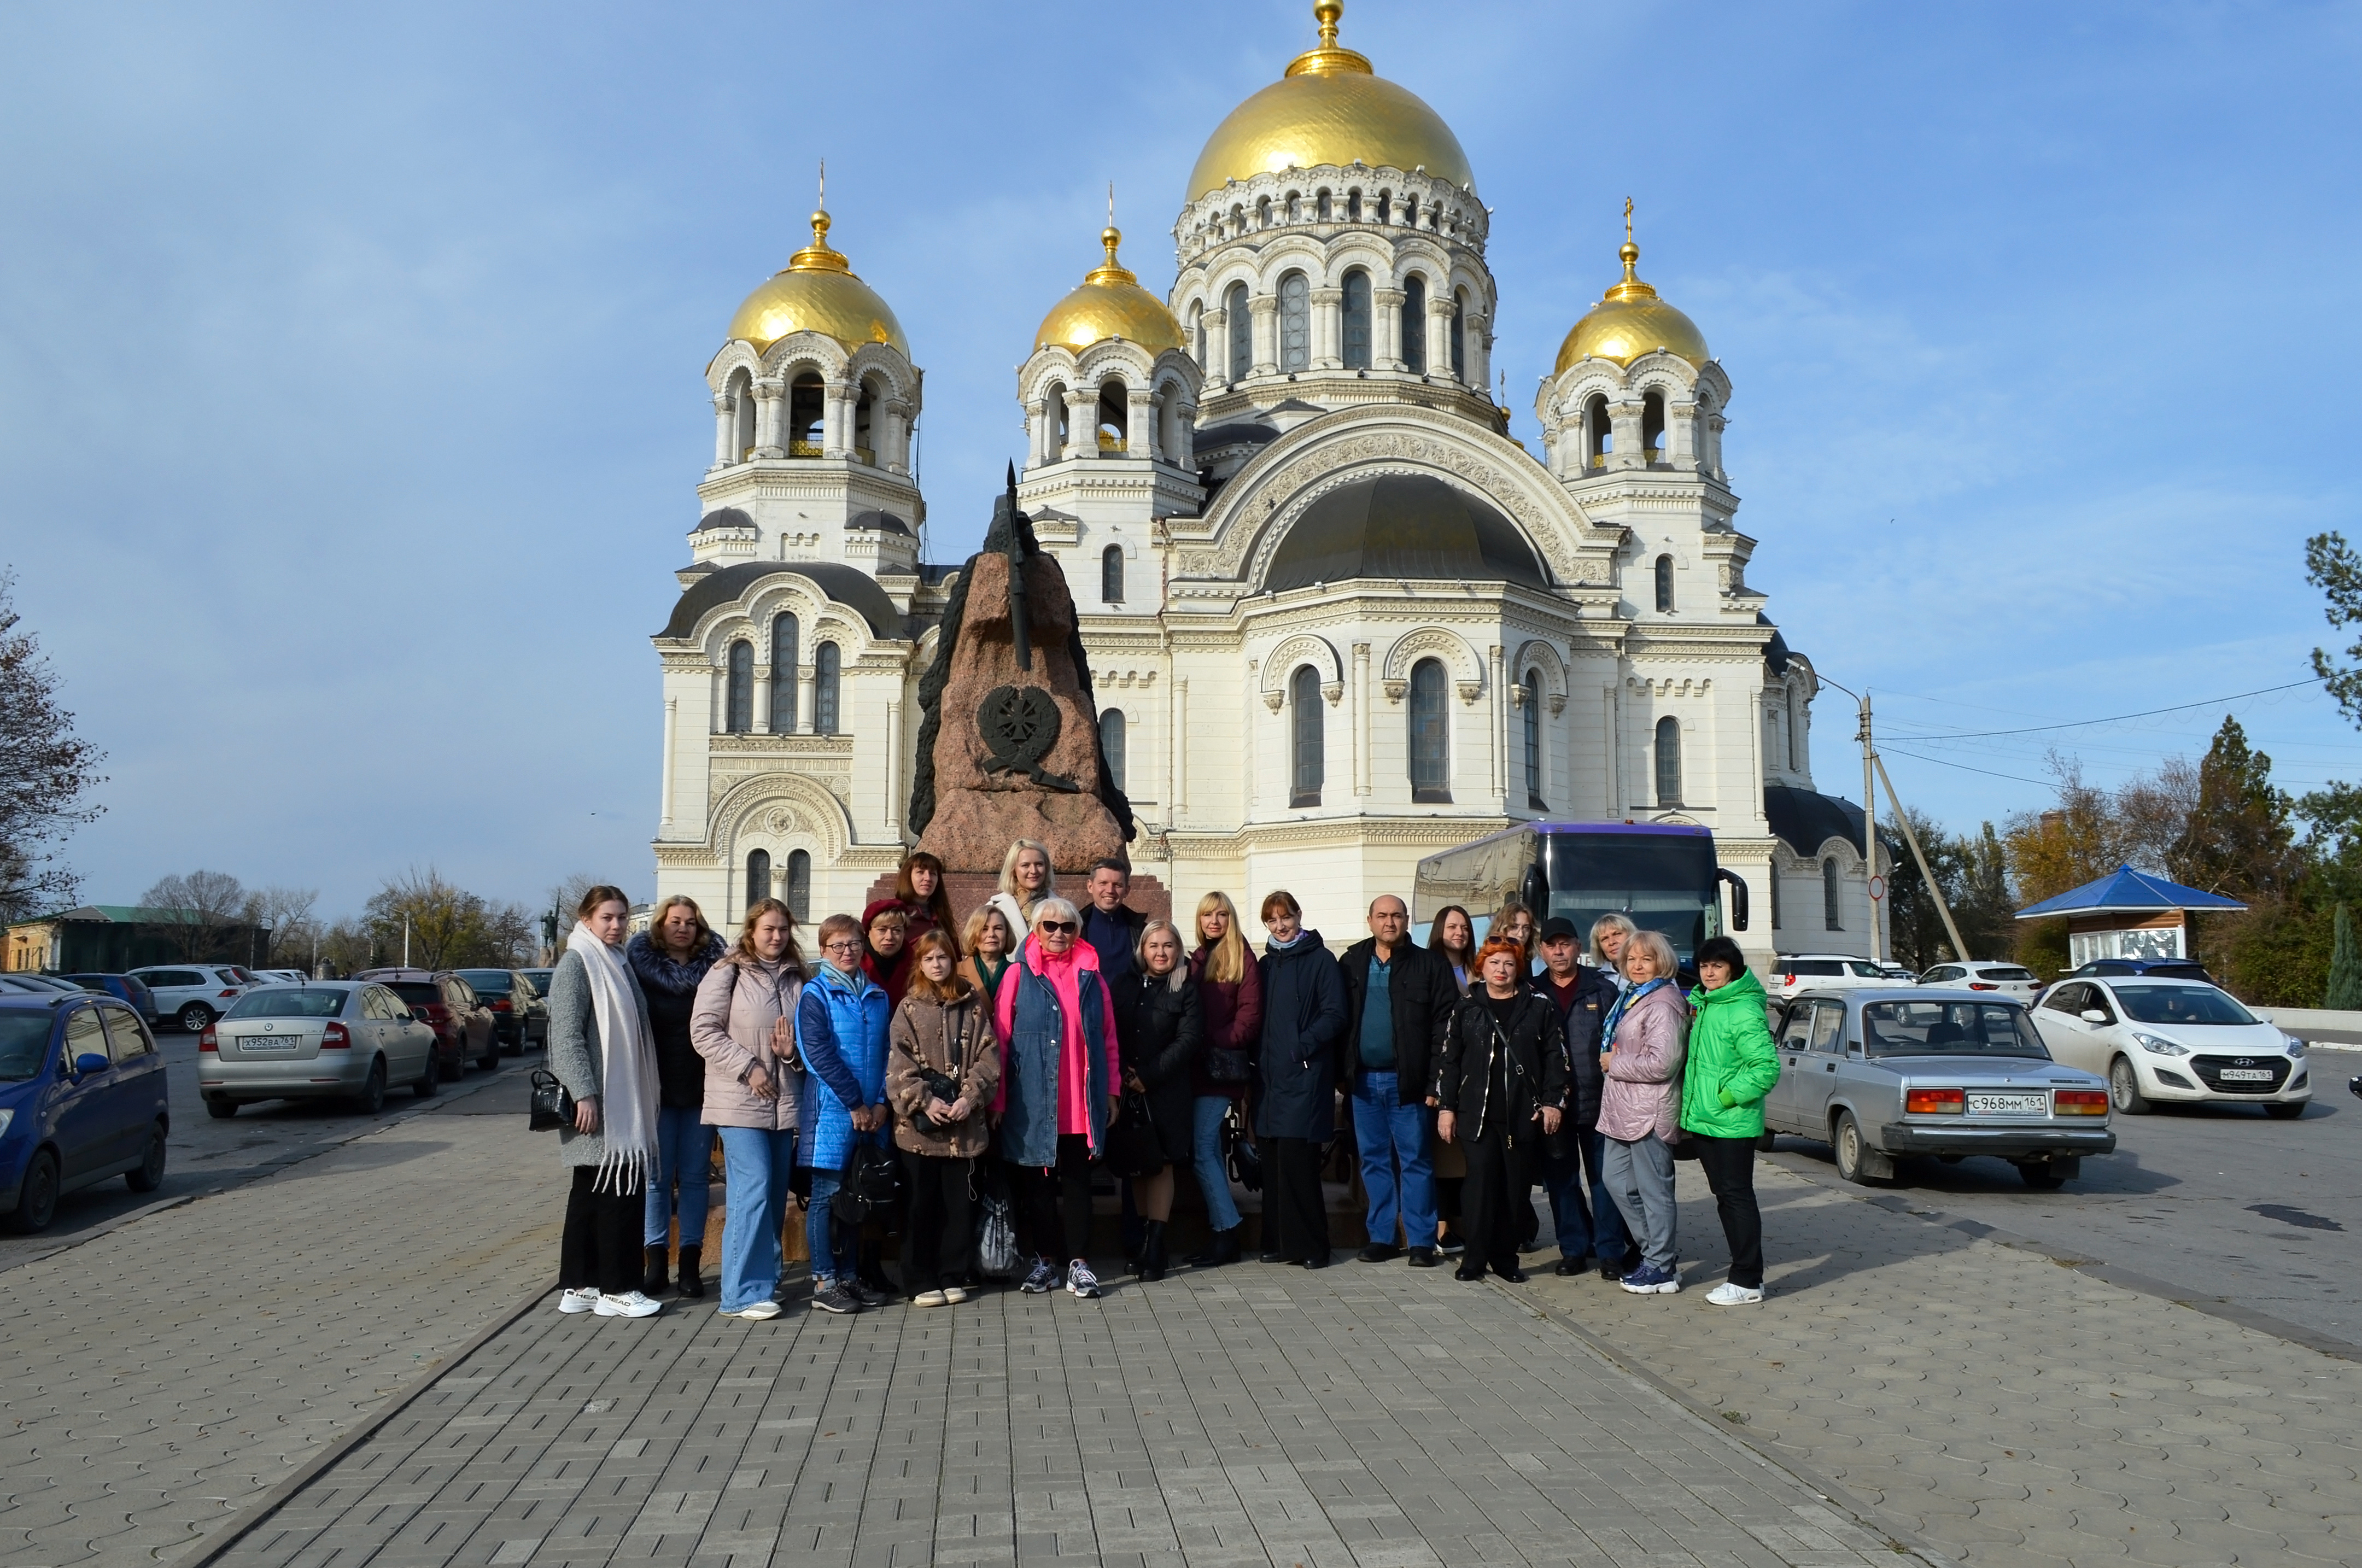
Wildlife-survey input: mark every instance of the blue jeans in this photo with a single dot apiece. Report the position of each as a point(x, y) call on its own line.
point(816, 1225)
point(684, 1153)
point(1391, 1134)
point(1595, 1229)
point(758, 1163)
point(1206, 1152)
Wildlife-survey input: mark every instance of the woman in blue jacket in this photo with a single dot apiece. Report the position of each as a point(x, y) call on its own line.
point(840, 1025)
point(1303, 1020)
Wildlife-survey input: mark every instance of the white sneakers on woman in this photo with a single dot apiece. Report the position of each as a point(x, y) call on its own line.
point(631, 1304)
point(755, 1311)
point(581, 1301)
point(1730, 1295)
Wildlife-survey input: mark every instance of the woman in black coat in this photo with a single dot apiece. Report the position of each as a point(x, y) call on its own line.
point(1160, 1024)
point(1502, 1083)
point(1303, 1020)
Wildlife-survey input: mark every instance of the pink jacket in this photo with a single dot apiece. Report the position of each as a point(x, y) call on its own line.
point(1643, 1092)
point(730, 1027)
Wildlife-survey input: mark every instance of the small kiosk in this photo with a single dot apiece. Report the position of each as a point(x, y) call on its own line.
point(2128, 914)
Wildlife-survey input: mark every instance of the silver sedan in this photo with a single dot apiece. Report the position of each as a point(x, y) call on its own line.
point(1881, 1073)
point(323, 1039)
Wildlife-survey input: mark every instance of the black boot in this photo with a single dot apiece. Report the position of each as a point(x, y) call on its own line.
point(653, 1277)
point(1152, 1251)
point(1228, 1248)
point(692, 1286)
point(1135, 1256)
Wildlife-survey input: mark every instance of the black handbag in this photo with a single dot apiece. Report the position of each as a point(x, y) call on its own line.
point(1245, 1160)
point(1225, 1065)
point(1132, 1149)
point(873, 1185)
point(549, 1107)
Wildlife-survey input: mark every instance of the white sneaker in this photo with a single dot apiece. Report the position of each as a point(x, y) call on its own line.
point(954, 1294)
point(930, 1299)
point(1082, 1281)
point(754, 1312)
point(1730, 1295)
point(631, 1304)
point(580, 1300)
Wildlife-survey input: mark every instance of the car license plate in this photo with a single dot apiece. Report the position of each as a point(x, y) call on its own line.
point(2244, 1075)
point(259, 1044)
point(2009, 1104)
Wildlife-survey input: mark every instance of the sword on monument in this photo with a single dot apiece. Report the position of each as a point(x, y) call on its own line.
point(1016, 626)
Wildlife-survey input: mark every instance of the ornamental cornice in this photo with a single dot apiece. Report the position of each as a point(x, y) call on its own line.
point(836, 748)
point(1417, 832)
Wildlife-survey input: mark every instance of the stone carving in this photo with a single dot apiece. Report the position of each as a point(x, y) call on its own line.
point(1019, 724)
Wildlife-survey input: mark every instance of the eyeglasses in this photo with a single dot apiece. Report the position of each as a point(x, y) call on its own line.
point(842, 947)
point(1057, 927)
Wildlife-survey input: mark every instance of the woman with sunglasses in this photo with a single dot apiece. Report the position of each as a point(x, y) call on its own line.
point(1058, 1088)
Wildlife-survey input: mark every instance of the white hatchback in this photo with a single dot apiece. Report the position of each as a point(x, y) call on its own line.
point(2173, 1040)
point(1822, 972)
point(2011, 980)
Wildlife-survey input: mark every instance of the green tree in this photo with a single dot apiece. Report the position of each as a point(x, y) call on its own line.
point(1986, 911)
point(47, 773)
point(2331, 565)
point(2238, 840)
point(2344, 990)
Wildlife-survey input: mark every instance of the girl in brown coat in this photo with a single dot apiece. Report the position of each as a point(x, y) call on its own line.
point(943, 1064)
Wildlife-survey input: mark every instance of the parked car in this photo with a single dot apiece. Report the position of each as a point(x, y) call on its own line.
point(540, 978)
point(2158, 1039)
point(1822, 972)
point(2162, 968)
point(323, 1039)
point(193, 995)
point(2012, 980)
point(519, 1016)
point(125, 988)
point(82, 1098)
point(1883, 1074)
point(283, 976)
point(29, 984)
point(450, 1007)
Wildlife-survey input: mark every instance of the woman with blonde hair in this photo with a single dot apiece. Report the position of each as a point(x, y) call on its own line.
point(1026, 879)
point(671, 959)
point(1160, 1021)
point(1229, 996)
point(745, 1030)
point(990, 947)
point(1647, 1034)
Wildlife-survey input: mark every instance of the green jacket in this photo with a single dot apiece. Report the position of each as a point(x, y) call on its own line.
point(1732, 1064)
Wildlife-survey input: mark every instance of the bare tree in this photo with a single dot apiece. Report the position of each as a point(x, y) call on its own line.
point(47, 772)
point(196, 907)
point(292, 928)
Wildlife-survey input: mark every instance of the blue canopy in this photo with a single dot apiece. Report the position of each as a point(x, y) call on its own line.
point(2128, 891)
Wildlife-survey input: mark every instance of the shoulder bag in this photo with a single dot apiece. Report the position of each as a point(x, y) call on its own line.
point(548, 1108)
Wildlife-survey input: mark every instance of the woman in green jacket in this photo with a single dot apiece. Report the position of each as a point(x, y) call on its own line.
point(1731, 1066)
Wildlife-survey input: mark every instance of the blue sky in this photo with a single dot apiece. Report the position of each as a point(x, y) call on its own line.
point(350, 397)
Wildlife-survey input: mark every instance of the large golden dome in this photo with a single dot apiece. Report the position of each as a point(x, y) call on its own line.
point(1630, 321)
point(1110, 303)
point(1330, 108)
point(816, 292)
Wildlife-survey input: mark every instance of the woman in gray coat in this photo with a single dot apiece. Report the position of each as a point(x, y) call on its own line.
point(601, 1049)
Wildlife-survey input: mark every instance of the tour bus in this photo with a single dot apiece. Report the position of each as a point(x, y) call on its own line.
point(1660, 875)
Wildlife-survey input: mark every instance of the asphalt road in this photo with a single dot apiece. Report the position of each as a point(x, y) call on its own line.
point(2213, 1202)
point(203, 1155)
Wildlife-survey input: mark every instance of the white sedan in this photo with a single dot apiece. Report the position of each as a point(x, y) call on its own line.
point(2173, 1040)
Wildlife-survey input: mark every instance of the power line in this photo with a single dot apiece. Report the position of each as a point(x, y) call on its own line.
point(2120, 718)
point(2046, 783)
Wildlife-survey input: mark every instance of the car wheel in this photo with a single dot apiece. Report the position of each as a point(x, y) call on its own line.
point(2040, 1176)
point(37, 1200)
point(2288, 1113)
point(151, 1174)
point(195, 1017)
point(1857, 1161)
point(372, 1099)
point(221, 1110)
point(430, 1081)
point(2124, 1089)
point(490, 1061)
point(1766, 1141)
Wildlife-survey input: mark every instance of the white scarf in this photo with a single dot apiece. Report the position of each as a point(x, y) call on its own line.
point(627, 1067)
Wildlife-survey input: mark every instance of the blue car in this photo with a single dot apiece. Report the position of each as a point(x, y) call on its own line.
point(82, 1098)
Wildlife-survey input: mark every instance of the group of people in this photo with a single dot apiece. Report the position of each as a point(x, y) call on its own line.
point(913, 1071)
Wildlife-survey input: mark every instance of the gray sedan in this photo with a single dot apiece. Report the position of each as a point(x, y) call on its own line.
point(1878, 1074)
point(323, 1039)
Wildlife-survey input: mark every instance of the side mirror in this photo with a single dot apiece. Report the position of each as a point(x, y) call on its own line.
point(1737, 897)
point(90, 1062)
point(2093, 1015)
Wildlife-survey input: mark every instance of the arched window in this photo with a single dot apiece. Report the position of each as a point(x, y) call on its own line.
point(738, 707)
point(799, 898)
point(1111, 574)
point(1241, 326)
point(1352, 206)
point(1652, 427)
point(1385, 207)
point(1598, 432)
point(1111, 745)
point(783, 675)
point(827, 661)
point(1114, 418)
point(1669, 761)
point(1460, 336)
point(1414, 324)
point(1796, 733)
point(759, 876)
point(1664, 585)
point(806, 406)
point(1534, 740)
point(1295, 207)
point(1321, 210)
point(1198, 336)
point(1263, 212)
point(1430, 734)
point(742, 406)
point(1307, 761)
point(864, 440)
point(1357, 320)
point(1830, 893)
point(1295, 322)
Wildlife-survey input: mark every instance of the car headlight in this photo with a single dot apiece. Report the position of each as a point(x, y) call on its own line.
point(2161, 1045)
point(2295, 1046)
point(6, 1116)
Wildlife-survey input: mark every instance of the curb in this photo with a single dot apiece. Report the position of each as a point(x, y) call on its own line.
point(255, 1514)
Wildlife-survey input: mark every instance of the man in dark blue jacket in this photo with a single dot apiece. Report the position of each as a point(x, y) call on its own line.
point(1303, 1022)
point(1582, 997)
point(1398, 997)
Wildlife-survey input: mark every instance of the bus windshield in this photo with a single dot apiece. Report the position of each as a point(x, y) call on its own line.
point(1660, 881)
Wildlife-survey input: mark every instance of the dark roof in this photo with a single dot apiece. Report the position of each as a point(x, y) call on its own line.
point(1240, 434)
point(885, 521)
point(1775, 652)
point(848, 586)
point(1407, 526)
point(727, 517)
point(1805, 820)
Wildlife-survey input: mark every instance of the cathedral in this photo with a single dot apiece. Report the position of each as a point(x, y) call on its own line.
point(1337, 618)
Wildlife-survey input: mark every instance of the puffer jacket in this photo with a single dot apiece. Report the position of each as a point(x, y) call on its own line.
point(670, 985)
point(1162, 1027)
point(841, 1034)
point(1732, 1063)
point(1594, 994)
point(1533, 1071)
point(1643, 1092)
point(737, 1003)
point(955, 1039)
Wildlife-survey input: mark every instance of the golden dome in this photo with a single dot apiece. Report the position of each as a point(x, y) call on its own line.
point(1110, 303)
point(816, 292)
point(1330, 108)
point(1630, 321)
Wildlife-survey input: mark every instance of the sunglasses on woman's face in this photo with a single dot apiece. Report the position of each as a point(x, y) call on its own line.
point(1058, 928)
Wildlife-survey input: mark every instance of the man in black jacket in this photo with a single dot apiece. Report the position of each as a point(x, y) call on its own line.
point(1398, 999)
point(1581, 998)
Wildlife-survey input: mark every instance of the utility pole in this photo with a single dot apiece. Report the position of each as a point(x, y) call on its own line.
point(405, 941)
point(1927, 872)
point(1871, 883)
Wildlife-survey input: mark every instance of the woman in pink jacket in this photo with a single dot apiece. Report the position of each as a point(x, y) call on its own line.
point(743, 1025)
point(1648, 1031)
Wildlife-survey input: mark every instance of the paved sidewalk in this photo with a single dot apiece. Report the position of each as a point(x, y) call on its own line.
point(2002, 1406)
point(161, 1376)
point(1359, 1417)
